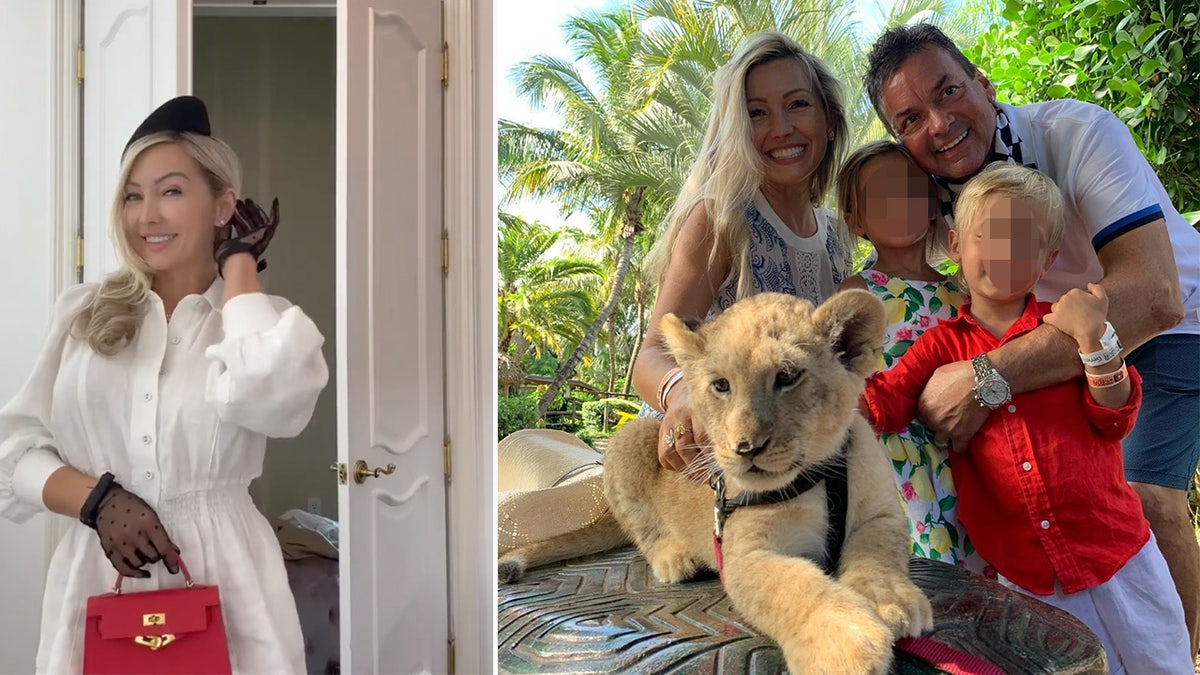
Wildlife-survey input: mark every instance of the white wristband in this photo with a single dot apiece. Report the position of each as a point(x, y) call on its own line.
point(1110, 348)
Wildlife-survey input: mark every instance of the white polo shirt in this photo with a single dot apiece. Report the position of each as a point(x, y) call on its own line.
point(1109, 189)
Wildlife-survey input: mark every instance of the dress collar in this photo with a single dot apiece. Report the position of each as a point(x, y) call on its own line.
point(214, 296)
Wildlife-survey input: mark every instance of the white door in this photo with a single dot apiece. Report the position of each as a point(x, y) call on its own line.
point(390, 341)
point(137, 54)
point(394, 595)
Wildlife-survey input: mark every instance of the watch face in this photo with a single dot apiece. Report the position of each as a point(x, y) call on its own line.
point(993, 392)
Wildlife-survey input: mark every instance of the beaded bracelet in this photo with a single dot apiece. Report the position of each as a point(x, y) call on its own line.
point(1106, 380)
point(669, 380)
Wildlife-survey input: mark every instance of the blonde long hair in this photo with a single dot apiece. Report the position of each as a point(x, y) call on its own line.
point(110, 320)
point(728, 170)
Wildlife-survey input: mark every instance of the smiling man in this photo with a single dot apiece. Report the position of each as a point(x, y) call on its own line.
point(1122, 232)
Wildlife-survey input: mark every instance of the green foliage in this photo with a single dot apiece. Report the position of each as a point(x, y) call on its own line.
point(633, 101)
point(594, 412)
point(590, 436)
point(542, 299)
point(1140, 60)
point(514, 413)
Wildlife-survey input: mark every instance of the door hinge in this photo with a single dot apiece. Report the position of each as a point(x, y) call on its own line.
point(445, 253)
point(445, 64)
point(79, 65)
point(79, 257)
point(450, 656)
point(446, 458)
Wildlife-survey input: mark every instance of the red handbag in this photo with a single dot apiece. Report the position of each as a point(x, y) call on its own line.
point(169, 632)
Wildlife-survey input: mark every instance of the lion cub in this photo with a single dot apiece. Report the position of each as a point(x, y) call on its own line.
point(775, 384)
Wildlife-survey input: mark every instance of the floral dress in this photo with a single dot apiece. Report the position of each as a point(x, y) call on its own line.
point(921, 468)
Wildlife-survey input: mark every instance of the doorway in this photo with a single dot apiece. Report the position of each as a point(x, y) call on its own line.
point(270, 86)
point(269, 81)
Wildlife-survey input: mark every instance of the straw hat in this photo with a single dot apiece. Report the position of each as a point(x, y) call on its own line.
point(548, 482)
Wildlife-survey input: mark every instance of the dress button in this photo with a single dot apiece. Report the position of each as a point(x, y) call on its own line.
point(175, 340)
point(1045, 524)
point(1027, 466)
point(149, 475)
point(148, 396)
point(1012, 408)
point(146, 439)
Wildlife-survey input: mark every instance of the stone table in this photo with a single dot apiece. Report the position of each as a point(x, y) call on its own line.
point(607, 614)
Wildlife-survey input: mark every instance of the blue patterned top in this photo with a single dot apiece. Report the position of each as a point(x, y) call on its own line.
point(784, 262)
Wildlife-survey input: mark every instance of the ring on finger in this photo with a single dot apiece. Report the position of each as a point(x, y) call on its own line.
point(675, 434)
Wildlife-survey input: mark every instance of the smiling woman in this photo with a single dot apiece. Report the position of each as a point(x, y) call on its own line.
point(748, 218)
point(148, 410)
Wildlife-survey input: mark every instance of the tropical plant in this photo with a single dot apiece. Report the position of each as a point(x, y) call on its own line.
point(542, 300)
point(1140, 60)
point(592, 163)
point(634, 104)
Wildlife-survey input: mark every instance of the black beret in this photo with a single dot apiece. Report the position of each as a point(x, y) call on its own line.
point(182, 113)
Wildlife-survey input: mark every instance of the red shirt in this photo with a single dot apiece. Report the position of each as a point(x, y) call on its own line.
point(1041, 489)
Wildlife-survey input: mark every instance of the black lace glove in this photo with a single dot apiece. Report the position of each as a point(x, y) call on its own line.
point(249, 231)
point(131, 534)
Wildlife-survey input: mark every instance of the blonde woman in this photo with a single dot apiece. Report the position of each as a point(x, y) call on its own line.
point(147, 412)
point(748, 218)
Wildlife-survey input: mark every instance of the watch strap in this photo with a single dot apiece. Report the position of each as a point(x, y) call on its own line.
point(983, 367)
point(91, 506)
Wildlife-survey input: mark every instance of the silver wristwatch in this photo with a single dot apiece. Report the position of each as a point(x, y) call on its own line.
point(1110, 348)
point(991, 390)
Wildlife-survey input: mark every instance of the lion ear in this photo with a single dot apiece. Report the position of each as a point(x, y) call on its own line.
point(854, 324)
point(682, 338)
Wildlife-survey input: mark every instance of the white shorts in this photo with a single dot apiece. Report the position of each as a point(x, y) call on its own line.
point(1137, 614)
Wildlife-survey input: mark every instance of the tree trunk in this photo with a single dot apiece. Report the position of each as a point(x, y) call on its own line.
point(612, 352)
point(633, 226)
point(640, 299)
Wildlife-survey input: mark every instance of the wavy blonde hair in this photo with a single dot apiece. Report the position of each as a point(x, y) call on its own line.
point(110, 320)
point(728, 169)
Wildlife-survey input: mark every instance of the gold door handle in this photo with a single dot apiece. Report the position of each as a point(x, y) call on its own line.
point(362, 473)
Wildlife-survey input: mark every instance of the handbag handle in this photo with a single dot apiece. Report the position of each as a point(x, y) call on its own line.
point(187, 577)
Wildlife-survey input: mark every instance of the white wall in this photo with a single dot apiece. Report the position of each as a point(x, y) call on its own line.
point(27, 277)
point(270, 87)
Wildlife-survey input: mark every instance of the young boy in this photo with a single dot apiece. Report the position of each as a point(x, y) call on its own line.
point(1041, 488)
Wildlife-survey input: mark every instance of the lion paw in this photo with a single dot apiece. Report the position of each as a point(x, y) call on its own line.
point(671, 564)
point(510, 569)
point(842, 636)
point(901, 605)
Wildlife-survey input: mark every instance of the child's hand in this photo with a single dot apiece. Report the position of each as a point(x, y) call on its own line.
point(1081, 314)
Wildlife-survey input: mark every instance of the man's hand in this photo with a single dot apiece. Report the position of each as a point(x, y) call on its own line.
point(948, 406)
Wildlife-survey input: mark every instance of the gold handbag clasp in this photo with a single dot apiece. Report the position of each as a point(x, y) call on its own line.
point(154, 642)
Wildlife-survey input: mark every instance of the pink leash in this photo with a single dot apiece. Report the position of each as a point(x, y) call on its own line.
point(946, 658)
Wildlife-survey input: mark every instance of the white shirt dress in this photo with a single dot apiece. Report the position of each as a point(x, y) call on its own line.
point(180, 417)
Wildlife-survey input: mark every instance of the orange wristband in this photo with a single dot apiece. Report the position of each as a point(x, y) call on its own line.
point(1107, 380)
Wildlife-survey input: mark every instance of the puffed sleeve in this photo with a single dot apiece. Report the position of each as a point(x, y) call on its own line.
point(28, 452)
point(267, 373)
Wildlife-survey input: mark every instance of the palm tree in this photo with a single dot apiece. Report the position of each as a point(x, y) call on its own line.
point(592, 164)
point(628, 140)
point(542, 300)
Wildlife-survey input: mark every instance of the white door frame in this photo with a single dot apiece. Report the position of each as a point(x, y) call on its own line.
point(470, 320)
point(470, 171)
